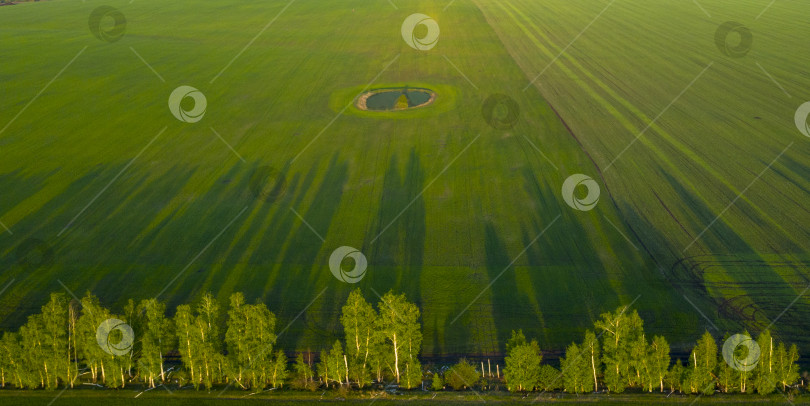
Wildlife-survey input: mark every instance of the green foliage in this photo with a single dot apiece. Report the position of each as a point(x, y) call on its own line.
point(200, 342)
point(52, 346)
point(703, 361)
point(740, 353)
point(549, 378)
point(787, 370)
point(437, 383)
point(462, 375)
point(522, 371)
point(108, 367)
point(576, 370)
point(641, 374)
point(764, 379)
point(728, 378)
point(650, 362)
point(157, 337)
point(44, 347)
point(516, 340)
point(621, 332)
point(12, 363)
point(399, 325)
point(659, 361)
point(675, 378)
point(302, 374)
point(250, 337)
point(56, 345)
point(591, 351)
point(412, 377)
point(279, 372)
point(359, 320)
point(332, 367)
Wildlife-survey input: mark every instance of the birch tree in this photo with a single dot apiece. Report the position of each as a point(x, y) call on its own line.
point(102, 364)
point(764, 378)
point(359, 320)
point(787, 371)
point(187, 341)
point(55, 345)
point(250, 338)
point(703, 361)
point(157, 337)
point(620, 331)
point(12, 363)
point(576, 371)
point(659, 360)
point(332, 367)
point(590, 348)
point(399, 324)
point(279, 372)
point(198, 335)
point(522, 370)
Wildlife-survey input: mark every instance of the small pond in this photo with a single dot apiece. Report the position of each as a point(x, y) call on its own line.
point(395, 99)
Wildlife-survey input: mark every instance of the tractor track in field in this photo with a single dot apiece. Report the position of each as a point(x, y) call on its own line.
point(574, 136)
point(686, 274)
point(638, 239)
point(684, 280)
point(751, 310)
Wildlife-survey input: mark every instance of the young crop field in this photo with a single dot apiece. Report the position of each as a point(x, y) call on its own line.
point(252, 182)
point(715, 186)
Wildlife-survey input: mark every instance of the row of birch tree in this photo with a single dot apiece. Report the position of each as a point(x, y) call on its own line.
point(205, 344)
point(60, 346)
point(618, 355)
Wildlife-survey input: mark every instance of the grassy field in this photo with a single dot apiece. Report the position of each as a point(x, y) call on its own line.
point(82, 397)
point(710, 129)
point(439, 201)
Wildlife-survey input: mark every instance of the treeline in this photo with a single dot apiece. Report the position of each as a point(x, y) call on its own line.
point(206, 345)
point(63, 342)
point(622, 357)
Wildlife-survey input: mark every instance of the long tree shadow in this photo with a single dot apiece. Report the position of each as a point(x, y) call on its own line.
point(397, 256)
point(303, 263)
point(303, 246)
point(507, 299)
point(148, 263)
point(99, 251)
point(269, 219)
point(31, 279)
point(564, 264)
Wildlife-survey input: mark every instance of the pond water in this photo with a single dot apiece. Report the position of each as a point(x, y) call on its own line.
point(397, 99)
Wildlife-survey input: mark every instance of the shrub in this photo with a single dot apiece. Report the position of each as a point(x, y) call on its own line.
point(550, 378)
point(438, 382)
point(462, 375)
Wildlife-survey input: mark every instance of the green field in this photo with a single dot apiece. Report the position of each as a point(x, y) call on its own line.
point(439, 202)
point(83, 397)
